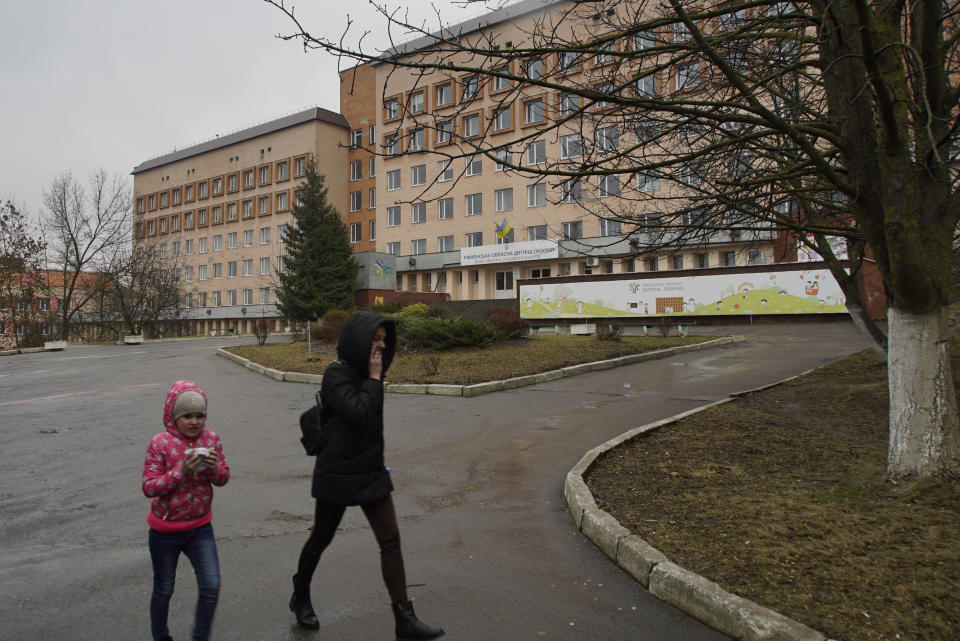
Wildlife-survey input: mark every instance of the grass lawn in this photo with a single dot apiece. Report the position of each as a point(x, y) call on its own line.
point(780, 497)
point(474, 365)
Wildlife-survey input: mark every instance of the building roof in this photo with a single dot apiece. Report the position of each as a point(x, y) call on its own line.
point(453, 32)
point(307, 115)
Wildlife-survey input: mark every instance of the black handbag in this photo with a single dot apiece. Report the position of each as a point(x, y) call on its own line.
point(311, 428)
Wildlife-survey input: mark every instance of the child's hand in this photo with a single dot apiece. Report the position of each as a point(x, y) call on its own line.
point(376, 363)
point(212, 461)
point(191, 463)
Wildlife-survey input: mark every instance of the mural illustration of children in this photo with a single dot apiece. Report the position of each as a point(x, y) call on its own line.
point(580, 307)
point(764, 304)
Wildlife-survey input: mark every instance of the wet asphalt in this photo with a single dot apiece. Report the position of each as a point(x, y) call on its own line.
point(490, 549)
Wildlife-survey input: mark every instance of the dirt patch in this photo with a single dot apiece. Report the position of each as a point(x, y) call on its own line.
point(780, 497)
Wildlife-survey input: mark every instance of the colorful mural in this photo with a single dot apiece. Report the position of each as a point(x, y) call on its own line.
point(805, 291)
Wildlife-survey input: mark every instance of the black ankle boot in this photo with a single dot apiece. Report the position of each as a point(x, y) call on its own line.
point(301, 607)
point(409, 627)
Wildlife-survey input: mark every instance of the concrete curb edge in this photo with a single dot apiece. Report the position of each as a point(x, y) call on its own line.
point(476, 389)
point(702, 599)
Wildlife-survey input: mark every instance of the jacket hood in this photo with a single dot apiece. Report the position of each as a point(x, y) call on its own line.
point(356, 339)
point(176, 390)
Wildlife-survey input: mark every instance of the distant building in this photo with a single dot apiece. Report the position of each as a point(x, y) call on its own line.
point(218, 212)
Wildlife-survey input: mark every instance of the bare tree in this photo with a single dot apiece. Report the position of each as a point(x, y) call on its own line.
point(84, 227)
point(824, 120)
point(22, 282)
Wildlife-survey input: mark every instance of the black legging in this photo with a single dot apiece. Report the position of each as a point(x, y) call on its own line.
point(383, 521)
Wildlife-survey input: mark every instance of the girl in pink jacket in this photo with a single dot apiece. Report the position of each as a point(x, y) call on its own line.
point(182, 465)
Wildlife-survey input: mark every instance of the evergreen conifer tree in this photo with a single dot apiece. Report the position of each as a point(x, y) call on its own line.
point(319, 270)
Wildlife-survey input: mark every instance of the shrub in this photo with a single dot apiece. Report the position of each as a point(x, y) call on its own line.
point(607, 330)
point(424, 332)
point(417, 309)
point(506, 323)
point(332, 323)
point(261, 330)
point(389, 308)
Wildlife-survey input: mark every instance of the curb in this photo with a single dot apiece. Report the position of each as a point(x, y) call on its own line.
point(701, 598)
point(477, 389)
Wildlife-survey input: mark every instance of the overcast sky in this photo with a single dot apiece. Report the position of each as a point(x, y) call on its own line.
point(111, 83)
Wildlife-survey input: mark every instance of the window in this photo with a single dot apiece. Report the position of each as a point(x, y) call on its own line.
point(729, 259)
point(608, 185)
point(540, 272)
point(652, 264)
point(355, 232)
point(232, 269)
point(703, 261)
point(689, 174)
point(248, 238)
point(445, 243)
point(504, 199)
point(474, 204)
point(444, 95)
point(648, 181)
point(188, 220)
point(152, 199)
point(416, 102)
point(444, 131)
point(607, 89)
point(232, 240)
point(201, 217)
point(605, 54)
point(217, 216)
point(215, 300)
point(282, 201)
point(573, 230)
point(393, 180)
point(217, 271)
point(163, 250)
point(536, 152)
point(356, 200)
point(506, 238)
point(300, 166)
point(646, 128)
point(733, 20)
point(418, 246)
point(571, 190)
point(474, 239)
point(501, 119)
point(681, 32)
point(644, 40)
point(445, 168)
point(187, 193)
point(248, 179)
point(474, 165)
point(688, 75)
point(174, 223)
point(647, 85)
point(372, 167)
point(533, 69)
point(248, 267)
point(264, 175)
point(677, 261)
point(471, 126)
point(202, 188)
point(500, 83)
point(264, 295)
point(188, 247)
point(533, 111)
point(356, 138)
point(248, 209)
point(232, 297)
point(504, 281)
point(232, 182)
point(569, 104)
point(418, 175)
point(471, 87)
point(151, 227)
point(568, 60)
point(756, 257)
point(163, 225)
point(419, 213)
point(175, 248)
point(248, 297)
point(393, 216)
point(416, 139)
point(281, 233)
point(202, 273)
point(536, 195)
point(356, 170)
point(231, 211)
point(391, 144)
point(372, 198)
point(445, 208)
point(176, 196)
point(393, 248)
point(373, 230)
point(570, 146)
point(371, 135)
point(188, 274)
point(202, 245)
point(282, 170)
point(610, 227)
point(391, 109)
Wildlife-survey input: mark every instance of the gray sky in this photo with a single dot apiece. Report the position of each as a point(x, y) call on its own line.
point(111, 83)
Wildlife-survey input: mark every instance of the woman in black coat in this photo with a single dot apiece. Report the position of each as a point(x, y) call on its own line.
point(349, 468)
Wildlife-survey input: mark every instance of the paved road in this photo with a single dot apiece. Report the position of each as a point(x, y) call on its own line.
point(491, 551)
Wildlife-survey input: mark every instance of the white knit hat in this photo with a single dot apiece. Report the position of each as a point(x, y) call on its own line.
point(188, 402)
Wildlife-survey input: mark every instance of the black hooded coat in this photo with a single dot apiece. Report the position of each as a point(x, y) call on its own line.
point(349, 468)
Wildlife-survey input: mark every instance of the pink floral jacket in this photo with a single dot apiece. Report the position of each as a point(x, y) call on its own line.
point(180, 502)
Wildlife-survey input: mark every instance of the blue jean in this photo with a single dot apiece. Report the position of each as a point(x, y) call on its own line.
point(201, 548)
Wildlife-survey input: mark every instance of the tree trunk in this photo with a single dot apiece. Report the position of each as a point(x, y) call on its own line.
point(924, 431)
point(868, 327)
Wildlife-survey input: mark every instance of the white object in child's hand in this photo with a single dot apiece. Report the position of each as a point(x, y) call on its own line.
point(202, 452)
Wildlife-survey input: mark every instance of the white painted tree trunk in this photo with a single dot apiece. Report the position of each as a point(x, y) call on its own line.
point(924, 432)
